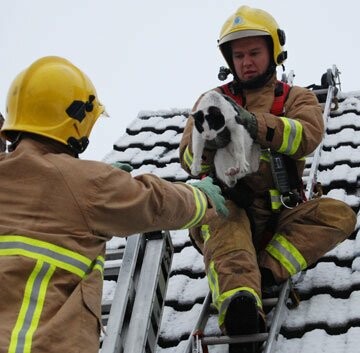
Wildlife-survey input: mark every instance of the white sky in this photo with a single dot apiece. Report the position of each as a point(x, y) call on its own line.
point(161, 54)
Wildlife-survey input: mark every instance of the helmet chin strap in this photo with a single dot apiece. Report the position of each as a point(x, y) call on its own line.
point(78, 146)
point(258, 81)
point(15, 141)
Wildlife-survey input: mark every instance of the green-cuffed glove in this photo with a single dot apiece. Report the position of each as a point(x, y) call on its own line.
point(249, 121)
point(123, 166)
point(213, 192)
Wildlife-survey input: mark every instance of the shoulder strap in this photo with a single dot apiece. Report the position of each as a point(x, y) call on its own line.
point(228, 91)
point(281, 93)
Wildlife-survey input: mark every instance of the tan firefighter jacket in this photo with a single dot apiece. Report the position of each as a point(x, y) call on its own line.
point(296, 133)
point(57, 212)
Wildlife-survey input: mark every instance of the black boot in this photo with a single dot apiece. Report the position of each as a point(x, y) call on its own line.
point(243, 318)
point(269, 287)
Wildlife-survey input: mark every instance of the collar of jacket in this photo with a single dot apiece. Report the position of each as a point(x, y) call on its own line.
point(43, 145)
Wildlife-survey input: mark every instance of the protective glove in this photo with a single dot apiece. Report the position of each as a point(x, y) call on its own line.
point(123, 166)
point(248, 120)
point(213, 192)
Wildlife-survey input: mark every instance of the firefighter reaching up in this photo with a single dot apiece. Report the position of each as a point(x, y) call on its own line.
point(240, 259)
point(58, 211)
point(2, 140)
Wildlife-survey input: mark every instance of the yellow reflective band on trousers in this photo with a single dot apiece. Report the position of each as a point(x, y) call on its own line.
point(188, 158)
point(292, 136)
point(222, 301)
point(201, 206)
point(48, 258)
point(205, 232)
point(286, 253)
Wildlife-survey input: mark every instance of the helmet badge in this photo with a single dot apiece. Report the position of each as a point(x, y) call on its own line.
point(238, 21)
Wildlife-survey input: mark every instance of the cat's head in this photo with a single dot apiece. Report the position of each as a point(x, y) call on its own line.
point(209, 122)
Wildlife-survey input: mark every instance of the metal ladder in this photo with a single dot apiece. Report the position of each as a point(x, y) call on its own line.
point(198, 342)
point(135, 314)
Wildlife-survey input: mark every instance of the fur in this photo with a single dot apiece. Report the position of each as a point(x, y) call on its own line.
point(236, 159)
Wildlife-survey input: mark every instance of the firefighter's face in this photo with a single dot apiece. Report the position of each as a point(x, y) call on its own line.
point(250, 56)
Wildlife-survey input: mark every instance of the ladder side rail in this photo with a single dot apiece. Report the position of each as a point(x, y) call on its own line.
point(278, 318)
point(141, 336)
point(199, 325)
point(311, 181)
point(112, 340)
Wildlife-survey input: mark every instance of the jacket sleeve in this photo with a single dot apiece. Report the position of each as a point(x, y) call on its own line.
point(124, 205)
point(299, 131)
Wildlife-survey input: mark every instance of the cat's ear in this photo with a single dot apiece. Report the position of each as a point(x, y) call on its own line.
point(198, 115)
point(217, 119)
point(214, 111)
point(198, 120)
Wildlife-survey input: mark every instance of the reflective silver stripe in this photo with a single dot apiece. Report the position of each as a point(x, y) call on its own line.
point(286, 258)
point(99, 265)
point(31, 308)
point(47, 253)
point(35, 293)
point(291, 137)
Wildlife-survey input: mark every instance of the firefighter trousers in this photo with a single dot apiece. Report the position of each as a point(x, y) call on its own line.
point(301, 236)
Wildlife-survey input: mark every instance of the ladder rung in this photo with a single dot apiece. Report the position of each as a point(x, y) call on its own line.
point(270, 301)
point(214, 340)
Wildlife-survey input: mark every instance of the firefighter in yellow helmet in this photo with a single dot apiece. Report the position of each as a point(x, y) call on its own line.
point(58, 211)
point(2, 140)
point(269, 236)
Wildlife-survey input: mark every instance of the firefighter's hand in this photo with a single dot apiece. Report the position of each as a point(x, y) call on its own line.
point(249, 121)
point(123, 166)
point(213, 193)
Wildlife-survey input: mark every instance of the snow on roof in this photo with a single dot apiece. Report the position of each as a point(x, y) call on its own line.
point(328, 317)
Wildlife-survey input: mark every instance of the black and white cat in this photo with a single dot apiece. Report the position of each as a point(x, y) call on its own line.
point(214, 121)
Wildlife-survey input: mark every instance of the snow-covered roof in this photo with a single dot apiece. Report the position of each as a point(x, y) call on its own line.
point(328, 317)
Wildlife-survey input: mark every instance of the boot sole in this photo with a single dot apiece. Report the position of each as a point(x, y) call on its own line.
point(242, 318)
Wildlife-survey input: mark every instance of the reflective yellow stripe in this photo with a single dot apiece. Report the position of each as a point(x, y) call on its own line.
point(286, 253)
point(292, 136)
point(201, 206)
point(265, 156)
point(221, 301)
point(205, 232)
point(49, 257)
point(275, 199)
point(225, 299)
point(99, 264)
point(31, 308)
point(213, 283)
point(41, 250)
point(188, 158)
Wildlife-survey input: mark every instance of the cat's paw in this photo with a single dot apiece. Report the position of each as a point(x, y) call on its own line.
point(244, 167)
point(195, 169)
point(232, 171)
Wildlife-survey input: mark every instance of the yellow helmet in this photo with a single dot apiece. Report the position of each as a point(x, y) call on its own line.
point(53, 98)
point(248, 22)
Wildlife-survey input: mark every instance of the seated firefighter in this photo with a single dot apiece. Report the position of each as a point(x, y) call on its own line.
point(240, 257)
point(59, 211)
